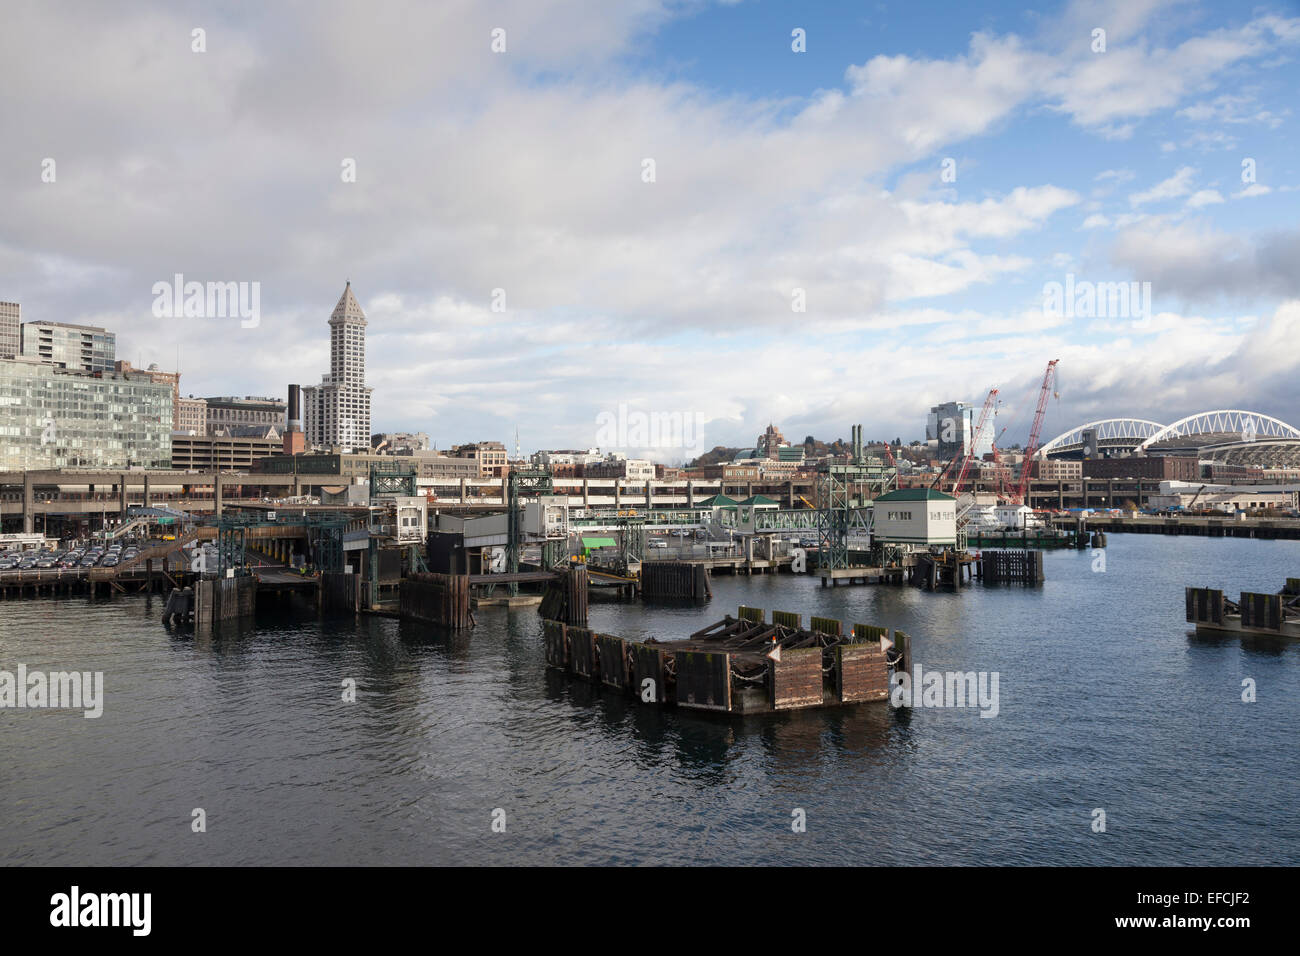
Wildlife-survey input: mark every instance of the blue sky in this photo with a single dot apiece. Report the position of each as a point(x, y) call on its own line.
point(776, 171)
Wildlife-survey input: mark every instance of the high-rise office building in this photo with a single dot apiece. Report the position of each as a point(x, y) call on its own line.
point(78, 348)
point(336, 413)
point(951, 431)
point(11, 336)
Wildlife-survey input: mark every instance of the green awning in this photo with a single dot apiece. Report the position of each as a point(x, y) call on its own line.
point(599, 543)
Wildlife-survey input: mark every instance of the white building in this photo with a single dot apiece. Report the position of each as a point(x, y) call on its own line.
point(918, 516)
point(336, 413)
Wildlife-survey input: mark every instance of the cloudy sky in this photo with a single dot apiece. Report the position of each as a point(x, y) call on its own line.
point(914, 178)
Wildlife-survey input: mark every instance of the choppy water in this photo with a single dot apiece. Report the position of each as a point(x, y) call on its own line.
point(1106, 701)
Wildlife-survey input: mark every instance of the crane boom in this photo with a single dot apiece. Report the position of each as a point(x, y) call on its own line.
point(1032, 448)
point(979, 430)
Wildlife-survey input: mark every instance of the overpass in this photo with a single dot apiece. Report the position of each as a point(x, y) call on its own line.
point(88, 492)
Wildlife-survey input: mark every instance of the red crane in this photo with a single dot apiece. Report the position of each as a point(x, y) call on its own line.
point(979, 431)
point(1032, 448)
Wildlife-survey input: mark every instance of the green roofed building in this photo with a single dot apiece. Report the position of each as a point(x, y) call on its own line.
point(920, 516)
point(915, 494)
point(718, 501)
point(594, 544)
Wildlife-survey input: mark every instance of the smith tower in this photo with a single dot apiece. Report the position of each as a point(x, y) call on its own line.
point(337, 412)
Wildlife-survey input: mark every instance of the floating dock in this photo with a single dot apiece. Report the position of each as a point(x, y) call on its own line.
point(739, 665)
point(1275, 615)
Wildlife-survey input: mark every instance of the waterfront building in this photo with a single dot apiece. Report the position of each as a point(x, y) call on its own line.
point(55, 418)
point(337, 411)
point(916, 516)
point(80, 348)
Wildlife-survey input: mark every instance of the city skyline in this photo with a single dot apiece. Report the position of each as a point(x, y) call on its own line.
point(922, 250)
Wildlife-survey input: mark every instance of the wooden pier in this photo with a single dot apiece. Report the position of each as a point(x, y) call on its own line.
point(739, 665)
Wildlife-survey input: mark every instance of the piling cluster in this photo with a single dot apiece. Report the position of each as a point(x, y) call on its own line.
point(739, 665)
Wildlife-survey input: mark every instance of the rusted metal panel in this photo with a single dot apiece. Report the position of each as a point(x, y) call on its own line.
point(648, 664)
point(1204, 605)
point(796, 679)
point(861, 673)
point(754, 614)
point(557, 645)
point(582, 652)
point(703, 680)
point(613, 660)
point(1263, 611)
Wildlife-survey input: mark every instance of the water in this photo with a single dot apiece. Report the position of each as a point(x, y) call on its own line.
point(1106, 701)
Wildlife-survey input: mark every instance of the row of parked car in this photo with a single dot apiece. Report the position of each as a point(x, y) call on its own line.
point(78, 557)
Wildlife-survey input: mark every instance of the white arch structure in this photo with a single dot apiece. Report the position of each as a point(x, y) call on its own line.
point(1225, 421)
point(1108, 429)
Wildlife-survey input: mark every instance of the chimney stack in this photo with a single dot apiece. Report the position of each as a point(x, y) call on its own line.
point(295, 443)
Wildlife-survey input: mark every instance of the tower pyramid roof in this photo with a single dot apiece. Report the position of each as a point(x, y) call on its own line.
point(348, 309)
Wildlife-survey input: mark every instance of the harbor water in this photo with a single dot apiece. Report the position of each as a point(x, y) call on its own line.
point(1106, 702)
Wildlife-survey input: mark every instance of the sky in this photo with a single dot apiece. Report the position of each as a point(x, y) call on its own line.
point(813, 214)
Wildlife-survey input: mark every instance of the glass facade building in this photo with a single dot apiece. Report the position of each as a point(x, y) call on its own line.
point(54, 418)
point(85, 348)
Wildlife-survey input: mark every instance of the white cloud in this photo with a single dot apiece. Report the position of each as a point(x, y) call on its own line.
point(1179, 184)
point(1204, 197)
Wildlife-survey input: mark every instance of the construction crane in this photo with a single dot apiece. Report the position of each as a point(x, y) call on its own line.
point(979, 430)
point(1032, 448)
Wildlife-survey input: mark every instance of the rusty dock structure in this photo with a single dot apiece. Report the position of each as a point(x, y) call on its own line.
point(739, 665)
